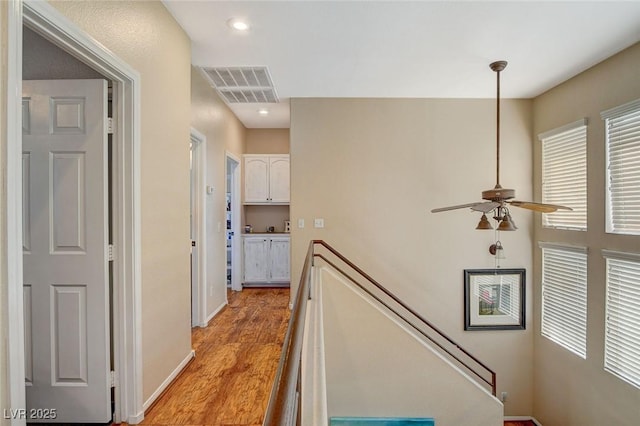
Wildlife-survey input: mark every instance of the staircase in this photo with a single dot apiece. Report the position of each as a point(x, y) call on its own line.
point(355, 354)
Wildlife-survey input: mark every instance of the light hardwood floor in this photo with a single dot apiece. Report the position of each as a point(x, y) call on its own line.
point(229, 381)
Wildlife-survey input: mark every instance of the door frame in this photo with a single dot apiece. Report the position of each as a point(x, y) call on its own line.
point(236, 252)
point(126, 309)
point(199, 218)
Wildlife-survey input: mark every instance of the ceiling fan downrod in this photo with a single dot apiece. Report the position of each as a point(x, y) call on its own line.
point(498, 66)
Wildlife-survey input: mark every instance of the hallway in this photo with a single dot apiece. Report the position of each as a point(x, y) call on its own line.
point(229, 381)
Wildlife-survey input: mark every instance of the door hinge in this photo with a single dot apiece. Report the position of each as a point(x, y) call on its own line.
point(110, 125)
point(110, 253)
point(112, 379)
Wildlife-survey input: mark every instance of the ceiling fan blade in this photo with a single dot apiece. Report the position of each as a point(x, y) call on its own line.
point(538, 207)
point(481, 206)
point(485, 207)
point(460, 206)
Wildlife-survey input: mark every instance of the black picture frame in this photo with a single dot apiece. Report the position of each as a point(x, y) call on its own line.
point(494, 299)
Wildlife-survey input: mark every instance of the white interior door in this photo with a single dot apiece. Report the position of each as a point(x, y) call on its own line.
point(195, 277)
point(233, 186)
point(65, 250)
point(198, 153)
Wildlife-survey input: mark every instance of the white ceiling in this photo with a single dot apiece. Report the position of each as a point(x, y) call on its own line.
point(414, 49)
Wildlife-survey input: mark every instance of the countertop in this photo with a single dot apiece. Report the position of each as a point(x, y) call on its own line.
point(262, 234)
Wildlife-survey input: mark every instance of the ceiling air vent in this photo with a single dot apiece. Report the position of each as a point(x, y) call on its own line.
point(243, 84)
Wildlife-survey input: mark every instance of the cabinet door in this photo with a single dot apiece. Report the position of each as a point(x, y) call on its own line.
point(256, 179)
point(256, 259)
point(279, 259)
point(279, 179)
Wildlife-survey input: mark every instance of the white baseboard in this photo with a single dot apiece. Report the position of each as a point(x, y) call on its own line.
point(521, 418)
point(214, 313)
point(134, 420)
point(168, 381)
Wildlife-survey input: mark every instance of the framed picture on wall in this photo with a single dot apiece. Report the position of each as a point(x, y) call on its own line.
point(494, 299)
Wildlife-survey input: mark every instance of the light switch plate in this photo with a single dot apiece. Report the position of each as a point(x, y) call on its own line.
point(300, 223)
point(318, 223)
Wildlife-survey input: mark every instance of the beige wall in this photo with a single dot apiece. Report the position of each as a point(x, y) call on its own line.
point(260, 217)
point(211, 116)
point(374, 168)
point(267, 141)
point(147, 37)
point(567, 389)
point(366, 354)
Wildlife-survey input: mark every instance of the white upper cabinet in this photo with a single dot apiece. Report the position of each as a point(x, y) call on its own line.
point(279, 179)
point(266, 179)
point(256, 179)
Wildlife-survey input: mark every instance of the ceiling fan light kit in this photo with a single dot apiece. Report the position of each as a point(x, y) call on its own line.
point(497, 198)
point(506, 224)
point(484, 223)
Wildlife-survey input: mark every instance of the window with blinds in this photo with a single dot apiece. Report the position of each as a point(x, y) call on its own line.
point(622, 321)
point(564, 175)
point(564, 296)
point(622, 127)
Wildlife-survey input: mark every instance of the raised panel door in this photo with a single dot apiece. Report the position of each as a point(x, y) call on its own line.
point(256, 180)
point(67, 353)
point(256, 259)
point(279, 179)
point(279, 256)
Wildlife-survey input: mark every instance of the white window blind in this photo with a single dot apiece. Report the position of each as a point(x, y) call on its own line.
point(564, 175)
point(622, 126)
point(564, 296)
point(622, 321)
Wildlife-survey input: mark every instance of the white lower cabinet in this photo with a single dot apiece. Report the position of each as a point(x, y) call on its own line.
point(266, 259)
point(279, 259)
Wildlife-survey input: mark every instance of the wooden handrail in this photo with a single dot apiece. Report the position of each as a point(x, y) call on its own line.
point(284, 403)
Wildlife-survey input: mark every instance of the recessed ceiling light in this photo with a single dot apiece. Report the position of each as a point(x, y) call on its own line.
point(263, 111)
point(238, 24)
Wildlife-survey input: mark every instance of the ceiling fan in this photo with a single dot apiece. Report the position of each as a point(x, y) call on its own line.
point(498, 198)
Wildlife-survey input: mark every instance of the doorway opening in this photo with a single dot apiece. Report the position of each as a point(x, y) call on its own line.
point(234, 254)
point(79, 210)
point(198, 208)
point(46, 21)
